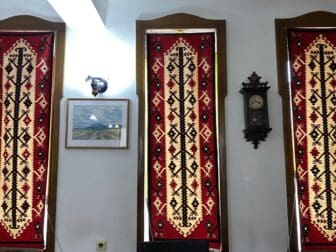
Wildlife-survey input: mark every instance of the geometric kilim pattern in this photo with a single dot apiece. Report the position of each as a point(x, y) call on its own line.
point(182, 149)
point(26, 60)
point(313, 92)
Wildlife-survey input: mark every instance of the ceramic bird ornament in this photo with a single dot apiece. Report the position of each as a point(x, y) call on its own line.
point(98, 85)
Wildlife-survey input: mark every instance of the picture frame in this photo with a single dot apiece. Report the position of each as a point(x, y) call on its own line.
point(97, 123)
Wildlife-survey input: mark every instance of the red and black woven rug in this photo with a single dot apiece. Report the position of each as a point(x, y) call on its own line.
point(182, 148)
point(26, 60)
point(313, 92)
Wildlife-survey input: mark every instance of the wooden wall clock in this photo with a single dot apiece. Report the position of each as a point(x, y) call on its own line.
point(255, 110)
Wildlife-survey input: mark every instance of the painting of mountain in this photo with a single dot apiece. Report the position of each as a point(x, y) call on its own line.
point(97, 122)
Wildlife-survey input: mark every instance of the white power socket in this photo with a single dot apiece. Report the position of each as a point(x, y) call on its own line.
point(101, 245)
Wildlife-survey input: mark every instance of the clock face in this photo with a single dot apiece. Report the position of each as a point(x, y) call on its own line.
point(255, 102)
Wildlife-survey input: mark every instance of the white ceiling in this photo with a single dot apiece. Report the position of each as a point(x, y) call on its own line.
point(40, 8)
point(43, 9)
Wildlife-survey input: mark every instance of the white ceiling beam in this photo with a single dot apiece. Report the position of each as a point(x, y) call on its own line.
point(78, 14)
point(101, 6)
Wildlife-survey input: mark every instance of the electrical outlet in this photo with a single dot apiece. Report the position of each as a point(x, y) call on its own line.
point(101, 245)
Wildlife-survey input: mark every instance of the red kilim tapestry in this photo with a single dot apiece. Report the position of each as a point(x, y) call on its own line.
point(25, 92)
point(313, 91)
point(182, 148)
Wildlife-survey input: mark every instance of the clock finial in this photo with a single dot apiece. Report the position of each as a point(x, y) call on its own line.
point(254, 79)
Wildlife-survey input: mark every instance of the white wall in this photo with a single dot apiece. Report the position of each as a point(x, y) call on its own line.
point(97, 188)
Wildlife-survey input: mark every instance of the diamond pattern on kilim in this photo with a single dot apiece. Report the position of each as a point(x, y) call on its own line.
point(313, 65)
point(182, 151)
point(26, 61)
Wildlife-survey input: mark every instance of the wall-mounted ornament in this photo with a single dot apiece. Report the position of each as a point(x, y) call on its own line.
point(98, 85)
point(255, 109)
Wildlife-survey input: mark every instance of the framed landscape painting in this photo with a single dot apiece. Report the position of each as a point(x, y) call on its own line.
point(97, 123)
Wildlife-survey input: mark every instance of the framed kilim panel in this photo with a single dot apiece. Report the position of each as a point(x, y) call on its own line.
point(30, 90)
point(181, 85)
point(306, 51)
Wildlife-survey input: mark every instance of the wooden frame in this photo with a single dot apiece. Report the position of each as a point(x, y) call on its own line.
point(318, 19)
point(27, 23)
point(98, 128)
point(181, 21)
